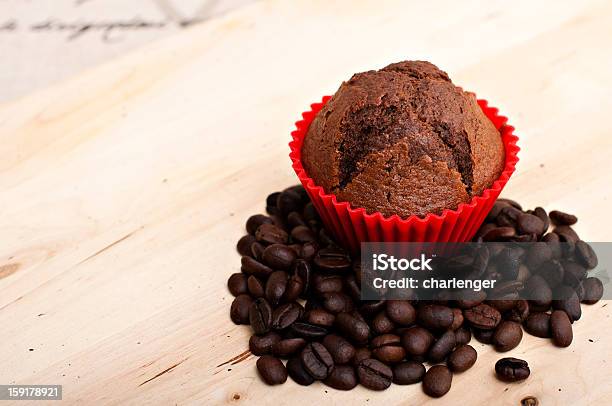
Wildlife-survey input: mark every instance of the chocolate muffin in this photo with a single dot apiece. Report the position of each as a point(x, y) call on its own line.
point(403, 140)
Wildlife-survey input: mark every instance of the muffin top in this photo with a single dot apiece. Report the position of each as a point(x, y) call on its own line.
point(403, 140)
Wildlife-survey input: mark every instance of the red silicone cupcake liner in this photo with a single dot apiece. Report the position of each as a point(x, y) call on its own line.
point(352, 226)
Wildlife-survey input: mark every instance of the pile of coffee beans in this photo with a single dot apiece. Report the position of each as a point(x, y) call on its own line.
point(300, 293)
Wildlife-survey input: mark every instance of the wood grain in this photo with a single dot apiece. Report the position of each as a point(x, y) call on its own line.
point(125, 189)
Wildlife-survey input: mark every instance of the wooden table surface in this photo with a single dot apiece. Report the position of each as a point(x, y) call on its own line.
point(125, 189)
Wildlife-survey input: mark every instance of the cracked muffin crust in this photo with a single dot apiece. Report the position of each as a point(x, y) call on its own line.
point(403, 140)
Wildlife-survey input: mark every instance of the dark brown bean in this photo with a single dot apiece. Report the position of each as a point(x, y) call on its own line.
point(271, 370)
point(561, 328)
point(298, 373)
point(408, 373)
point(237, 284)
point(332, 259)
point(279, 256)
point(262, 344)
point(560, 218)
point(462, 358)
point(321, 317)
point(463, 335)
point(374, 375)
point(512, 369)
point(483, 317)
point(327, 284)
point(507, 336)
point(244, 245)
point(260, 316)
point(271, 234)
point(417, 341)
point(593, 290)
point(337, 303)
point(303, 234)
point(530, 224)
point(401, 312)
point(442, 347)
point(381, 324)
point(387, 348)
point(586, 255)
point(251, 266)
point(499, 234)
point(435, 317)
point(567, 300)
point(276, 286)
point(437, 381)
point(538, 324)
point(289, 200)
point(285, 315)
point(287, 347)
point(257, 250)
point(294, 289)
point(239, 311)
point(342, 377)
point(317, 361)
point(255, 287)
point(340, 349)
point(255, 221)
point(352, 327)
point(308, 331)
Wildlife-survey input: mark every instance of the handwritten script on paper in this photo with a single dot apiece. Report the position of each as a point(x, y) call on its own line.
point(152, 15)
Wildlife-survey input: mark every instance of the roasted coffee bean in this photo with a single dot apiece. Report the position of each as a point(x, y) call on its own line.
point(508, 216)
point(435, 317)
point(568, 301)
point(287, 347)
point(244, 245)
point(552, 272)
point(271, 370)
point(483, 317)
point(495, 210)
point(442, 347)
point(271, 234)
point(499, 234)
point(255, 221)
point(463, 335)
point(484, 336)
point(371, 307)
point(510, 202)
point(538, 292)
point(239, 311)
point(541, 213)
point(462, 358)
point(567, 234)
point(512, 369)
point(295, 219)
point(560, 218)
point(276, 286)
point(340, 349)
point(530, 224)
point(262, 344)
point(457, 319)
point(298, 373)
point(586, 255)
point(303, 270)
point(538, 324)
point(469, 298)
point(257, 250)
point(289, 200)
point(308, 331)
point(519, 312)
point(302, 234)
point(317, 361)
point(593, 290)
point(573, 273)
point(361, 353)
point(353, 328)
point(327, 284)
point(310, 212)
point(294, 289)
point(437, 381)
point(507, 336)
point(237, 284)
point(260, 316)
point(337, 303)
point(539, 252)
point(320, 317)
point(387, 348)
point(251, 266)
point(272, 198)
point(278, 256)
point(285, 315)
point(255, 287)
point(561, 328)
point(332, 259)
point(408, 373)
point(381, 324)
point(417, 341)
point(401, 312)
point(342, 377)
point(309, 250)
point(374, 375)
